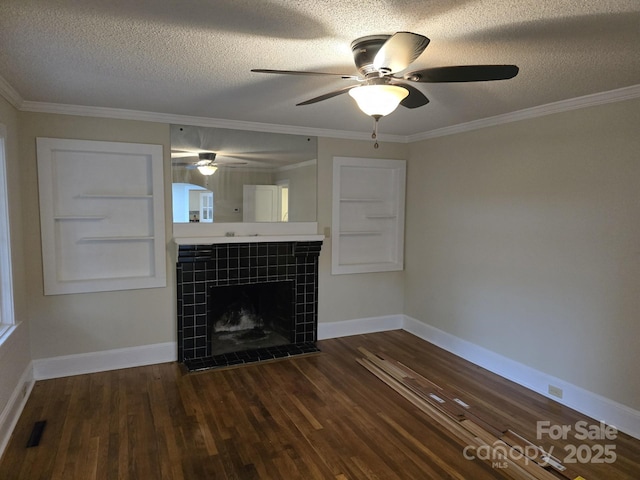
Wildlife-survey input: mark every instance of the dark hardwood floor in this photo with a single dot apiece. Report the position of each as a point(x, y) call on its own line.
point(322, 416)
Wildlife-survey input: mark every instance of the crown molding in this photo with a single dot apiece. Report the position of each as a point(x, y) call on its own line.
point(10, 94)
point(612, 96)
point(124, 114)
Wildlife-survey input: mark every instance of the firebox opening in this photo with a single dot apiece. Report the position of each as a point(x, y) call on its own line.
point(251, 316)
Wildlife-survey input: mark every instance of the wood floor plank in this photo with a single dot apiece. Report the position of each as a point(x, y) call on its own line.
point(428, 453)
point(316, 417)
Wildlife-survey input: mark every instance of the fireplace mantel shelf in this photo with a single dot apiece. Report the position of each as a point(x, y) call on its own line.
point(246, 239)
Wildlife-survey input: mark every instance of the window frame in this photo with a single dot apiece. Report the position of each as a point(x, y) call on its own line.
point(7, 314)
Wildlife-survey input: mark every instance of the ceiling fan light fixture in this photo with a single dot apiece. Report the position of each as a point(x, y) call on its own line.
point(207, 169)
point(378, 100)
point(205, 165)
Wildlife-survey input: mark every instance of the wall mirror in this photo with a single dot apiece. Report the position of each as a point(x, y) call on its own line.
point(223, 175)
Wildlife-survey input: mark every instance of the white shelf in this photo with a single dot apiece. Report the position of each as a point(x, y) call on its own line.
point(101, 215)
point(381, 215)
point(79, 217)
point(364, 200)
point(361, 233)
point(115, 239)
point(368, 215)
point(246, 239)
point(114, 195)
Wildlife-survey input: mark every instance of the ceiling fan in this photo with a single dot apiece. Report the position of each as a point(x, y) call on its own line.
point(206, 162)
point(379, 90)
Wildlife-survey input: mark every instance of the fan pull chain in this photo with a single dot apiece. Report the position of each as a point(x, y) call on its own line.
point(374, 135)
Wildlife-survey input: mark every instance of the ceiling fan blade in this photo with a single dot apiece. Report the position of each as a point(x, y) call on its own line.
point(463, 73)
point(297, 72)
point(400, 51)
point(187, 165)
point(230, 161)
point(415, 98)
point(188, 153)
point(326, 96)
point(182, 154)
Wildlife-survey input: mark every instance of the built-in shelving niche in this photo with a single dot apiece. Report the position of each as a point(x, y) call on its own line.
point(368, 215)
point(101, 215)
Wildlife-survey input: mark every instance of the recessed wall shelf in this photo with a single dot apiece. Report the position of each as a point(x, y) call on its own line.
point(368, 215)
point(375, 200)
point(346, 234)
point(101, 215)
point(382, 215)
point(114, 195)
point(79, 217)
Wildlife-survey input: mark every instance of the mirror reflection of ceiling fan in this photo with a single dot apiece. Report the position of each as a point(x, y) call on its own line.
point(379, 90)
point(206, 162)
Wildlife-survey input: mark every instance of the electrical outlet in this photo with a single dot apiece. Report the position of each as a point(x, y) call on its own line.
point(555, 391)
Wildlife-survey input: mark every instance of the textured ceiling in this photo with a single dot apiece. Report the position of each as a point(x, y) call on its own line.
point(193, 57)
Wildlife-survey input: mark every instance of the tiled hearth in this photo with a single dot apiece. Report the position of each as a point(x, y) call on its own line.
point(201, 267)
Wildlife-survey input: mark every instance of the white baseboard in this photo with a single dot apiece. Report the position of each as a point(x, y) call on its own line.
point(92, 362)
point(12, 411)
point(67, 365)
point(359, 326)
point(591, 404)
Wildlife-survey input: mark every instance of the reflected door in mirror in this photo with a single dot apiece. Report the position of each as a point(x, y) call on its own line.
point(261, 203)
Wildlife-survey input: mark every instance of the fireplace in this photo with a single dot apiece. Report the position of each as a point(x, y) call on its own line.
point(251, 316)
point(246, 302)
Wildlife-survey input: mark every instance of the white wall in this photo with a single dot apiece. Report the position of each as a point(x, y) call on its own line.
point(525, 239)
point(356, 296)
